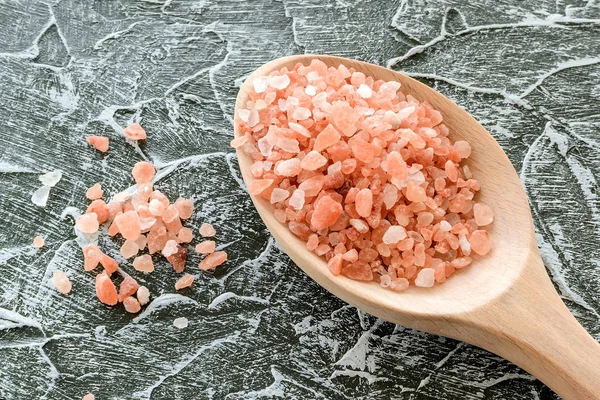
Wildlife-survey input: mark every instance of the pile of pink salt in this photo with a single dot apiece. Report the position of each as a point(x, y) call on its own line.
point(147, 221)
point(366, 175)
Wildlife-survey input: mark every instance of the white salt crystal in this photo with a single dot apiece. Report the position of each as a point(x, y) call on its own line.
point(445, 226)
point(292, 102)
point(279, 82)
point(300, 129)
point(40, 196)
point(301, 113)
point(264, 146)
point(181, 322)
point(297, 199)
point(278, 195)
point(394, 234)
point(335, 167)
point(282, 105)
point(260, 84)
point(170, 248)
point(310, 90)
point(51, 178)
point(364, 91)
point(426, 278)
point(143, 295)
point(465, 246)
point(146, 223)
point(244, 114)
point(319, 99)
point(406, 112)
point(253, 119)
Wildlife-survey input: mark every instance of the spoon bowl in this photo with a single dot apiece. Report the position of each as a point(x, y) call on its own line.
point(503, 302)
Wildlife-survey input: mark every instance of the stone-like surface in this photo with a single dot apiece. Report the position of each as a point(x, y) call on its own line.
point(258, 327)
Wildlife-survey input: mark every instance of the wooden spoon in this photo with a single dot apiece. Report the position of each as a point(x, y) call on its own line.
point(504, 302)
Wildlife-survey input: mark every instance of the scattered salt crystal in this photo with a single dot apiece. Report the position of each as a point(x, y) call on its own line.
point(170, 248)
point(185, 235)
point(483, 214)
point(143, 172)
point(185, 281)
point(364, 91)
point(445, 226)
point(279, 82)
point(206, 247)
point(279, 195)
point(94, 192)
point(394, 234)
point(38, 242)
point(299, 128)
point(106, 290)
point(135, 132)
point(425, 278)
point(51, 178)
point(288, 168)
point(146, 223)
point(121, 197)
point(156, 207)
point(480, 242)
point(253, 119)
point(61, 282)
point(180, 323)
point(213, 260)
point(143, 295)
point(313, 161)
point(40, 196)
point(88, 396)
point(405, 113)
point(185, 207)
point(310, 90)
point(87, 223)
point(129, 225)
point(132, 305)
point(143, 263)
point(207, 230)
point(100, 143)
point(129, 249)
point(360, 225)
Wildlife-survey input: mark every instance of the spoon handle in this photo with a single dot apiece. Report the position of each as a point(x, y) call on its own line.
point(530, 326)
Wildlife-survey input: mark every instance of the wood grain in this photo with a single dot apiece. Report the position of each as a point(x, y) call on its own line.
point(505, 301)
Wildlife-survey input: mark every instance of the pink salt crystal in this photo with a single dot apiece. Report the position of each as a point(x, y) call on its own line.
point(483, 214)
point(385, 280)
point(146, 224)
point(360, 225)
point(143, 263)
point(462, 148)
point(313, 161)
point(129, 249)
point(207, 230)
point(445, 226)
point(425, 278)
point(326, 138)
point(170, 248)
point(299, 129)
point(257, 186)
point(88, 396)
point(121, 197)
point(185, 235)
point(132, 305)
point(279, 195)
point(312, 186)
point(288, 168)
point(260, 84)
point(106, 290)
point(312, 242)
point(364, 202)
point(301, 113)
point(394, 234)
point(178, 259)
point(415, 193)
point(335, 264)
point(241, 140)
point(326, 213)
point(61, 282)
point(109, 264)
point(480, 242)
point(127, 288)
point(135, 132)
point(99, 208)
point(451, 171)
point(213, 260)
point(461, 262)
point(297, 199)
point(157, 238)
point(359, 271)
point(129, 225)
point(156, 208)
point(143, 295)
point(38, 242)
point(399, 284)
point(184, 282)
point(206, 247)
point(288, 145)
point(94, 192)
point(171, 219)
point(100, 143)
point(185, 207)
point(322, 249)
point(279, 82)
point(364, 91)
point(87, 223)
point(350, 255)
point(396, 166)
point(143, 172)
point(91, 256)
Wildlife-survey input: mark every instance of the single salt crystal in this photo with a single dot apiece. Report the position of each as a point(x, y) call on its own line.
point(465, 246)
point(146, 223)
point(88, 396)
point(297, 199)
point(300, 129)
point(131, 305)
point(129, 225)
point(313, 161)
point(483, 214)
point(301, 113)
point(264, 146)
point(87, 223)
point(61, 282)
point(279, 82)
point(253, 119)
point(282, 105)
point(364, 91)
point(480, 242)
point(180, 323)
point(385, 280)
point(109, 264)
point(327, 137)
point(143, 295)
point(392, 118)
point(185, 235)
point(106, 290)
point(143, 263)
point(260, 84)
point(360, 225)
point(364, 202)
point(207, 230)
point(445, 226)
point(156, 207)
point(91, 256)
point(244, 114)
point(143, 172)
point(405, 113)
point(390, 196)
point(121, 197)
point(100, 143)
point(170, 248)
point(40, 196)
point(51, 178)
point(185, 208)
point(288, 168)
point(213, 260)
point(288, 145)
point(127, 288)
point(334, 168)
point(129, 249)
point(135, 132)
point(185, 281)
point(394, 234)
point(320, 100)
point(279, 195)
point(94, 192)
point(310, 90)
point(206, 247)
point(425, 278)
point(38, 242)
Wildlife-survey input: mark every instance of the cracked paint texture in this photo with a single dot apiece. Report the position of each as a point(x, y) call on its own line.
point(259, 328)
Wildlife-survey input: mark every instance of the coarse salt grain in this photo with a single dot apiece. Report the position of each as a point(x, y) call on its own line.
point(38, 242)
point(207, 230)
point(180, 323)
point(61, 282)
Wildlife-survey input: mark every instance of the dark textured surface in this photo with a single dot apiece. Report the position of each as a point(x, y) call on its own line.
point(259, 328)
